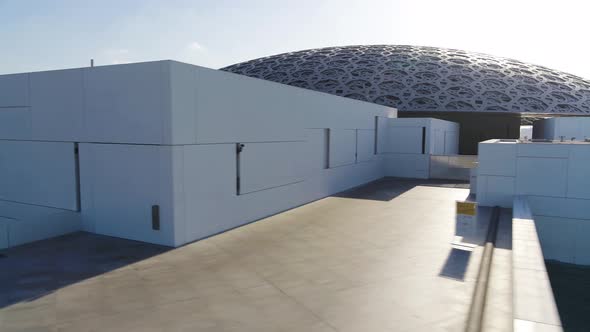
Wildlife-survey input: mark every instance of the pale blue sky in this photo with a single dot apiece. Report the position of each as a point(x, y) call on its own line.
point(44, 34)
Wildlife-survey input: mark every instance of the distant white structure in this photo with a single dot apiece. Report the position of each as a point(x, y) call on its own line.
point(526, 132)
point(562, 128)
point(554, 179)
point(168, 153)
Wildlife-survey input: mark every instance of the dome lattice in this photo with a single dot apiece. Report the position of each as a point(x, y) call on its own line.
point(413, 78)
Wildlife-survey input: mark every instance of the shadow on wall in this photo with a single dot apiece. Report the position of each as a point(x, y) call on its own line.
point(37, 269)
point(384, 190)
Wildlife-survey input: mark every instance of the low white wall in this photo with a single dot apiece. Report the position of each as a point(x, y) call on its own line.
point(554, 178)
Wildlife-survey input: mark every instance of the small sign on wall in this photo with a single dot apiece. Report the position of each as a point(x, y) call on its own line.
point(465, 224)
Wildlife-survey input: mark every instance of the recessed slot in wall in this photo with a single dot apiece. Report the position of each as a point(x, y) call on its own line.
point(376, 135)
point(326, 148)
point(423, 140)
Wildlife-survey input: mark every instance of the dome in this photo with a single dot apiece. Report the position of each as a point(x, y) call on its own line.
point(412, 78)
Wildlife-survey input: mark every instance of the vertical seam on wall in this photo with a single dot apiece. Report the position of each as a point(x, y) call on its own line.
point(166, 108)
point(183, 195)
point(196, 107)
point(356, 146)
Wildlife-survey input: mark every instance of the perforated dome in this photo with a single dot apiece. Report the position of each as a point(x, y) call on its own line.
point(413, 78)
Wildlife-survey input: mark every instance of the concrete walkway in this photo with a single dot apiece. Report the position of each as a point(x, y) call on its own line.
point(374, 259)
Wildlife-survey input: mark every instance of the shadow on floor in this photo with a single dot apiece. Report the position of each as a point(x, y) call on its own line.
point(34, 270)
point(388, 188)
point(571, 288)
point(456, 264)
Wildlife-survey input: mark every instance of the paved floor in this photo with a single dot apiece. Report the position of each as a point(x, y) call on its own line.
point(374, 259)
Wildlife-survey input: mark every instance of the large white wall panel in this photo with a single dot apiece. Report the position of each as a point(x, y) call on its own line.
point(57, 105)
point(234, 108)
point(541, 176)
point(40, 173)
point(209, 181)
point(578, 174)
point(127, 103)
point(451, 142)
point(183, 104)
point(568, 127)
point(365, 144)
point(495, 190)
point(405, 139)
point(342, 147)
point(268, 165)
point(15, 123)
point(382, 135)
point(497, 159)
point(438, 146)
point(119, 185)
point(543, 150)
point(14, 90)
point(407, 165)
point(316, 153)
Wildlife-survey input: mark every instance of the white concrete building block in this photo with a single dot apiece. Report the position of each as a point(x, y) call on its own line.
point(405, 139)
point(39, 173)
point(15, 123)
point(578, 177)
point(541, 176)
point(495, 190)
point(365, 145)
point(122, 183)
point(4, 233)
point(127, 103)
point(14, 90)
point(57, 105)
point(269, 165)
point(316, 151)
point(497, 159)
point(542, 150)
point(236, 108)
point(163, 134)
point(342, 147)
point(407, 165)
point(180, 127)
point(577, 128)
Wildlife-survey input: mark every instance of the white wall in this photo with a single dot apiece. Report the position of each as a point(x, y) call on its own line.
point(526, 132)
point(38, 173)
point(568, 127)
point(164, 133)
point(289, 135)
point(119, 185)
point(554, 179)
point(407, 155)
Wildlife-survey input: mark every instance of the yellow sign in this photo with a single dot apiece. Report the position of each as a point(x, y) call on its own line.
point(466, 208)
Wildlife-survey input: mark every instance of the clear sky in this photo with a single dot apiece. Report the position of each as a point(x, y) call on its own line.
point(44, 34)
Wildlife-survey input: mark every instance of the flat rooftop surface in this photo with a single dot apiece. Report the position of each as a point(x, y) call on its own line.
point(377, 258)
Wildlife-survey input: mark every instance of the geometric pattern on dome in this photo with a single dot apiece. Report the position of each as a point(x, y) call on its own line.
point(417, 78)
